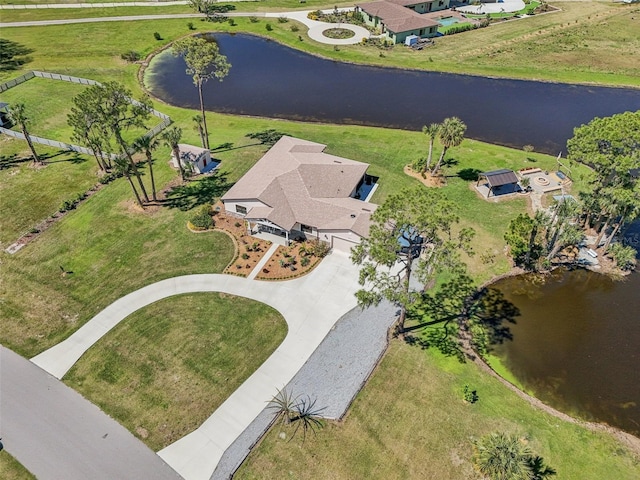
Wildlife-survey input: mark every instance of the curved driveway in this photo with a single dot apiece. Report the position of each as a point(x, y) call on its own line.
point(311, 305)
point(316, 28)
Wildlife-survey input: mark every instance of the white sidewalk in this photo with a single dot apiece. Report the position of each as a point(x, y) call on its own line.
point(311, 305)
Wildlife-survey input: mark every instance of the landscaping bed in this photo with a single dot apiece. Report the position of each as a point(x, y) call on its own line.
point(293, 261)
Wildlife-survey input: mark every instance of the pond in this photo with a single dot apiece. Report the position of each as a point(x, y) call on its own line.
point(575, 344)
point(270, 80)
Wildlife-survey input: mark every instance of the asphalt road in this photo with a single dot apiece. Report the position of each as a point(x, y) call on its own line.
point(57, 434)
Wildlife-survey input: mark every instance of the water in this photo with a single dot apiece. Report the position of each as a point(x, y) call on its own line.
point(576, 344)
point(271, 80)
point(445, 22)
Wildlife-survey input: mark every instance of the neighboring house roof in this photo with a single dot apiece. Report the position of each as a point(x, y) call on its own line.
point(396, 17)
point(497, 178)
point(299, 183)
point(191, 152)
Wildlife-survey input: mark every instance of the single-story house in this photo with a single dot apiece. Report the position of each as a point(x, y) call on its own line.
point(398, 19)
point(296, 191)
point(194, 158)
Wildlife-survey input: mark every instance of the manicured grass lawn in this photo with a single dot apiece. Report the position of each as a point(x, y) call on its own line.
point(163, 370)
point(410, 421)
point(113, 249)
point(592, 42)
point(30, 194)
point(11, 469)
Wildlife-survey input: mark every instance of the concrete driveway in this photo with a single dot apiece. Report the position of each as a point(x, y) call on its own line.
point(310, 305)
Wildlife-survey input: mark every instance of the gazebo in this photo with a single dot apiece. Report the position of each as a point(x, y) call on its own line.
point(498, 180)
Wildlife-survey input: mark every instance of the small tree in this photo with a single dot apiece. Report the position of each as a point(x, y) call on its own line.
point(146, 145)
point(451, 133)
point(411, 232)
point(430, 131)
point(502, 457)
point(172, 137)
point(18, 115)
point(204, 61)
point(123, 167)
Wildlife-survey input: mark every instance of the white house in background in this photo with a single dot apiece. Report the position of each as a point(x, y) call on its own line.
point(297, 191)
point(195, 158)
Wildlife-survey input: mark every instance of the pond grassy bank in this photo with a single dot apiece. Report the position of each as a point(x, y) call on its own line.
point(584, 42)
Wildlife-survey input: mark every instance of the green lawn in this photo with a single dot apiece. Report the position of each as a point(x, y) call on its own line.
point(163, 370)
point(11, 469)
point(591, 42)
point(410, 421)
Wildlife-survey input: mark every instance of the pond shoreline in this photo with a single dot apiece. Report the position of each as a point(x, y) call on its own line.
point(628, 439)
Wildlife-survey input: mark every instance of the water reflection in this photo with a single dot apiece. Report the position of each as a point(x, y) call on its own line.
point(576, 343)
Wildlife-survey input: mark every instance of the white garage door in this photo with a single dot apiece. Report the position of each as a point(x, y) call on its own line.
point(342, 244)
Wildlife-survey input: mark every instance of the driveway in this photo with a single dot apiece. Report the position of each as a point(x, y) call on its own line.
point(310, 305)
point(57, 434)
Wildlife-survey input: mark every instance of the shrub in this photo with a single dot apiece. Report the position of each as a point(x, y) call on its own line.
point(201, 218)
point(190, 26)
point(108, 178)
point(623, 255)
point(295, 28)
point(232, 22)
point(67, 205)
point(283, 19)
point(237, 224)
point(470, 396)
point(460, 28)
point(268, 27)
point(157, 36)
point(304, 261)
point(130, 56)
point(320, 249)
point(253, 19)
point(245, 256)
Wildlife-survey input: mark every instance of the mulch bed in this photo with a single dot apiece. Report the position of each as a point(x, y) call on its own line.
point(286, 262)
point(428, 180)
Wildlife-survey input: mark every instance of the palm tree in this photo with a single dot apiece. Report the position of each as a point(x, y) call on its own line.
point(451, 133)
point(18, 115)
point(123, 166)
point(147, 144)
point(197, 119)
point(172, 138)
point(431, 131)
point(502, 457)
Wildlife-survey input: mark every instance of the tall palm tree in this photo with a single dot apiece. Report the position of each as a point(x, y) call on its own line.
point(431, 131)
point(147, 145)
point(502, 457)
point(18, 115)
point(451, 133)
point(172, 138)
point(123, 166)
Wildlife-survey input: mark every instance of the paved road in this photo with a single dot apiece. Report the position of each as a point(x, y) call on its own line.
point(310, 304)
point(57, 434)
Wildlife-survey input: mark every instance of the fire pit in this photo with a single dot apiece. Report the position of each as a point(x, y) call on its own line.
point(542, 181)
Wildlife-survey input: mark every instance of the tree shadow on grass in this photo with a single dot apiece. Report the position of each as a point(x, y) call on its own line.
point(10, 161)
point(478, 318)
point(197, 192)
point(469, 174)
point(74, 157)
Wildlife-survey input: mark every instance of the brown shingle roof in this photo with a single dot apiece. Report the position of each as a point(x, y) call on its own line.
point(300, 183)
point(396, 17)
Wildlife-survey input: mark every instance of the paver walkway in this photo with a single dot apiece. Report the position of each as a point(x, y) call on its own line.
point(57, 434)
point(263, 261)
point(311, 305)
